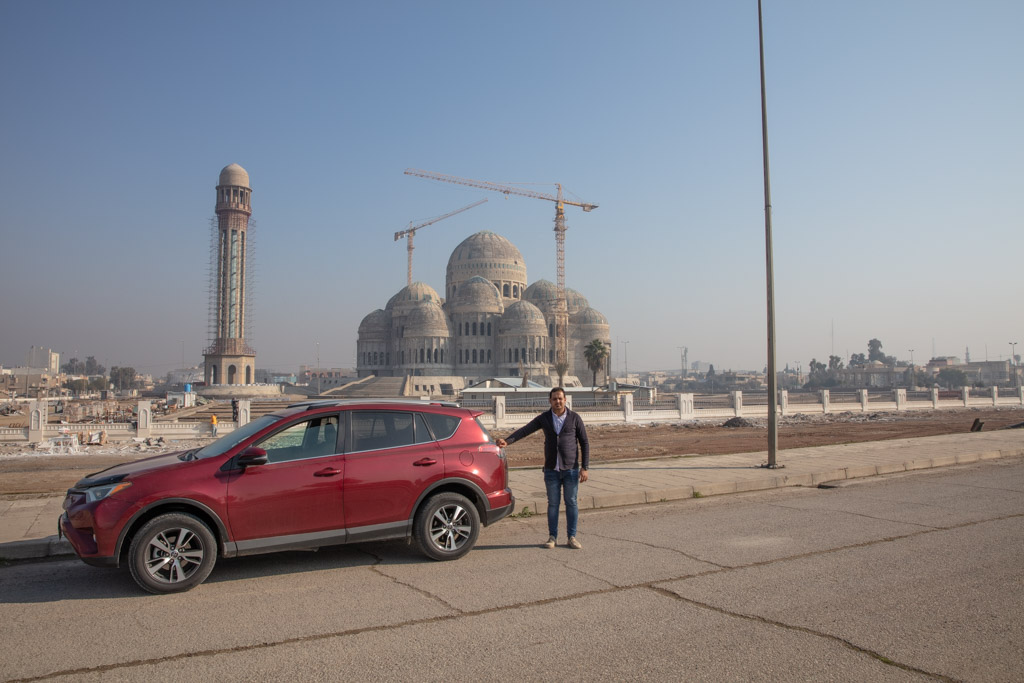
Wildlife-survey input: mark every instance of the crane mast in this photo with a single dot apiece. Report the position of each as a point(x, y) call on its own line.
point(561, 305)
point(410, 232)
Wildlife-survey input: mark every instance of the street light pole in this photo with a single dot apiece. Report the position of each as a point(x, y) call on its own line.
point(1013, 361)
point(318, 368)
point(913, 381)
point(773, 398)
point(626, 351)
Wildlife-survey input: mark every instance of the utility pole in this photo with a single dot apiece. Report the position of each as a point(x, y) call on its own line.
point(626, 351)
point(318, 368)
point(913, 381)
point(682, 366)
point(1013, 362)
point(773, 418)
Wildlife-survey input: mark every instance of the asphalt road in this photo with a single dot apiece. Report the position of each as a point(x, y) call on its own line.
point(910, 577)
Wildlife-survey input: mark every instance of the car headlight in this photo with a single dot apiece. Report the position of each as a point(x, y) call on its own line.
point(98, 493)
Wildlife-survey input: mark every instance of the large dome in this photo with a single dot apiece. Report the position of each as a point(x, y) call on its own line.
point(490, 256)
point(476, 295)
point(409, 295)
point(427, 320)
point(233, 174)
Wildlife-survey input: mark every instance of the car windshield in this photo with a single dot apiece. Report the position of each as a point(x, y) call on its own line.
point(232, 439)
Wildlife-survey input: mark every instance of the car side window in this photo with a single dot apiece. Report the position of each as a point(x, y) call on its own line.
point(422, 433)
point(376, 429)
point(443, 426)
point(307, 439)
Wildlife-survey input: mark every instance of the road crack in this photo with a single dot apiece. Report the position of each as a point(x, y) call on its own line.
point(801, 629)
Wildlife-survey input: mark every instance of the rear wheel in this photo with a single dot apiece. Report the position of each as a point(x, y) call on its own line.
point(172, 553)
point(447, 526)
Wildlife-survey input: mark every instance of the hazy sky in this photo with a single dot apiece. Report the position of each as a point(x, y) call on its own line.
point(895, 131)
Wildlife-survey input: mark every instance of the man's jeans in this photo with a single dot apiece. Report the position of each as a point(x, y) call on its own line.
point(569, 482)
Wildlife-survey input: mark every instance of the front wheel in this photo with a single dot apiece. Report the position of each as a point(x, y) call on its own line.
point(447, 526)
point(172, 553)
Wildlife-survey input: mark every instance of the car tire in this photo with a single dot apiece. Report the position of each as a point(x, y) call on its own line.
point(172, 553)
point(446, 526)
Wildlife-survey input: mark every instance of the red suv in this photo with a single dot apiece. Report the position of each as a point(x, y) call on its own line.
point(315, 474)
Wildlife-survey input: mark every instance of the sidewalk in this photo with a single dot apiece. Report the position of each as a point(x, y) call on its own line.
point(28, 525)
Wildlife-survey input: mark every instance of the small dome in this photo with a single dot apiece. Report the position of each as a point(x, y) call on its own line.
point(233, 174)
point(410, 294)
point(575, 301)
point(476, 295)
point(376, 325)
point(541, 290)
point(427, 320)
point(588, 316)
point(523, 318)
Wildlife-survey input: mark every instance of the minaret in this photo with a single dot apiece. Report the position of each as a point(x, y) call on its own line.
point(229, 360)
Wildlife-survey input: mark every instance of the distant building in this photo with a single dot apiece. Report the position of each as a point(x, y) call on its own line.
point(989, 372)
point(323, 379)
point(184, 376)
point(940, 362)
point(43, 359)
point(873, 375)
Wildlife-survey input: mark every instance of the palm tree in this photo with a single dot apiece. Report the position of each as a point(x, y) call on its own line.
point(595, 352)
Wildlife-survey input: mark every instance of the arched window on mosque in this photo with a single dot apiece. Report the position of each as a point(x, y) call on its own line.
point(474, 356)
point(488, 329)
point(474, 328)
point(435, 355)
point(504, 289)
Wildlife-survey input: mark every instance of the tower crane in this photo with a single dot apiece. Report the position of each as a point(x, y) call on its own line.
point(411, 230)
point(561, 310)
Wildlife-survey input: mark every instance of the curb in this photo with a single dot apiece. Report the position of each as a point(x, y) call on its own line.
point(813, 479)
point(36, 549)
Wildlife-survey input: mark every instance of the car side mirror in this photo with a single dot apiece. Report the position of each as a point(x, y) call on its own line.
point(252, 456)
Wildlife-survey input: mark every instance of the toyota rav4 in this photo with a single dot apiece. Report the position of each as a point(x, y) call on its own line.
point(315, 474)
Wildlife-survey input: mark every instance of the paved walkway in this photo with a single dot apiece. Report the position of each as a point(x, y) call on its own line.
point(28, 525)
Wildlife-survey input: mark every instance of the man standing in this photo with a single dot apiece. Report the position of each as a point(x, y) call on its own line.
point(563, 430)
point(213, 424)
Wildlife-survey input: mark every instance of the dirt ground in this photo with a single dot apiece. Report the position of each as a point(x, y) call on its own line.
point(31, 473)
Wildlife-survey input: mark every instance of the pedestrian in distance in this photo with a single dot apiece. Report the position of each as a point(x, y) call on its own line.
point(566, 460)
point(213, 425)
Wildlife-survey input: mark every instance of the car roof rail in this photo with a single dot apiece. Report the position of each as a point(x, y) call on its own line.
point(323, 403)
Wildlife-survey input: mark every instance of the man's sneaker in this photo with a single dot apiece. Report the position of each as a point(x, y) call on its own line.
point(550, 543)
point(574, 544)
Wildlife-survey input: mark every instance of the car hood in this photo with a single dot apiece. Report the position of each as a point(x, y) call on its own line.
point(119, 472)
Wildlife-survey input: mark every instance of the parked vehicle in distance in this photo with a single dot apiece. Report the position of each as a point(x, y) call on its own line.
point(314, 474)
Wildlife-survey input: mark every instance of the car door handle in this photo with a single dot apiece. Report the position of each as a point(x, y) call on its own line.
point(423, 462)
point(326, 472)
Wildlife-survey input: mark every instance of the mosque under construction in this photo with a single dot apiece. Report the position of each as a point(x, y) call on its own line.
point(489, 324)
